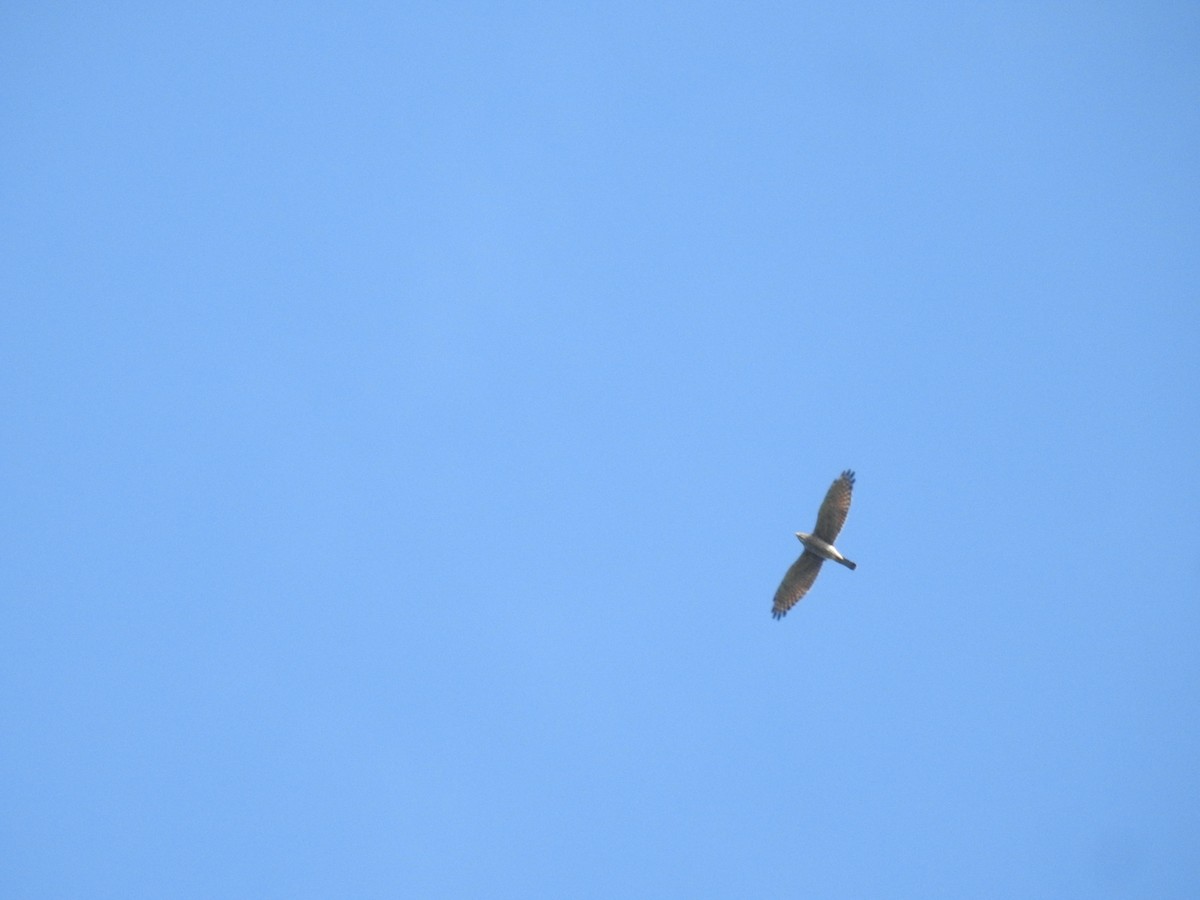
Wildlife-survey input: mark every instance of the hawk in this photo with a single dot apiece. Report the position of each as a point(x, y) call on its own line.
point(818, 546)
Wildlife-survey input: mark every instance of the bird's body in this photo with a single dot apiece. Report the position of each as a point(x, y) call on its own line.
point(818, 546)
point(824, 550)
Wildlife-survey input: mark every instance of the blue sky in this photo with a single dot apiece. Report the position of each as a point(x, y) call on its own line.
point(409, 407)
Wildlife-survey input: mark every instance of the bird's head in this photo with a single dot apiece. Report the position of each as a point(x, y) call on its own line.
point(802, 537)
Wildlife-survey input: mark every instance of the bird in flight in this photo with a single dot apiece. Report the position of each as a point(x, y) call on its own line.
point(818, 546)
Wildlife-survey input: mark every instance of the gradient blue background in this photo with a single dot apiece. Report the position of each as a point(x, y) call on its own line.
point(407, 409)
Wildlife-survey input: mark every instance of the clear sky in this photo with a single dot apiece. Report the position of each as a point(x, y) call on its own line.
point(408, 408)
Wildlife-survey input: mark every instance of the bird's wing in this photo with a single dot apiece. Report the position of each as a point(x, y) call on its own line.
point(832, 516)
point(796, 582)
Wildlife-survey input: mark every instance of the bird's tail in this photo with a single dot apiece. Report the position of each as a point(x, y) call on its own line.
point(849, 564)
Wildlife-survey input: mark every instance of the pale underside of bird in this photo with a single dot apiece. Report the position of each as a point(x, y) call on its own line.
point(818, 546)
